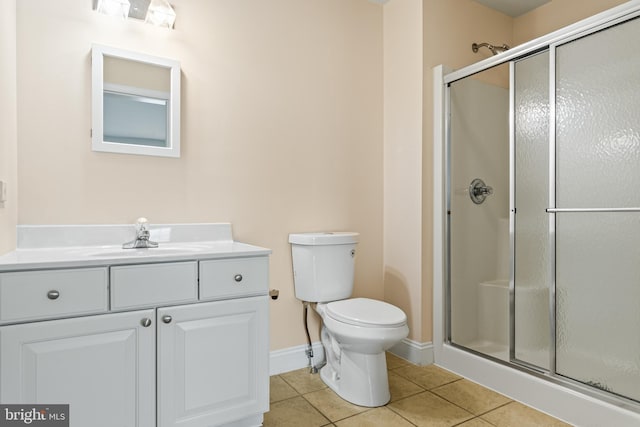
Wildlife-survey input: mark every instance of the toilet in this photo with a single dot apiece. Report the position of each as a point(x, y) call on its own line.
point(356, 332)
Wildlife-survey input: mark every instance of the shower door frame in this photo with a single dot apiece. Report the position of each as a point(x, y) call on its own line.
point(448, 354)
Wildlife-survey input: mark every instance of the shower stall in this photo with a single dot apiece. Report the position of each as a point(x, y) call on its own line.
point(541, 211)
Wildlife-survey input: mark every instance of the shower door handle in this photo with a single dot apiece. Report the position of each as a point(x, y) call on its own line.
point(478, 191)
point(584, 210)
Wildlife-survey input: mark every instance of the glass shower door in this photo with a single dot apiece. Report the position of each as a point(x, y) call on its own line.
point(597, 212)
point(532, 273)
point(478, 212)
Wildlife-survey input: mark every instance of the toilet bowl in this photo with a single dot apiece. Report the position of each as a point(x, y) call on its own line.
point(356, 331)
point(355, 335)
point(364, 325)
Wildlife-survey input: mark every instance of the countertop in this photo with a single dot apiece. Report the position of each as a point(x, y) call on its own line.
point(177, 242)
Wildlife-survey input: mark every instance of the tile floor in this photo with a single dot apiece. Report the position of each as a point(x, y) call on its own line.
point(420, 396)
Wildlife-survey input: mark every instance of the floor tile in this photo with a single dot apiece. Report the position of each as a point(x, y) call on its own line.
point(451, 401)
point(517, 414)
point(427, 377)
point(295, 412)
point(279, 389)
point(471, 396)
point(303, 381)
point(427, 409)
point(378, 417)
point(401, 387)
point(333, 406)
point(476, 422)
point(394, 361)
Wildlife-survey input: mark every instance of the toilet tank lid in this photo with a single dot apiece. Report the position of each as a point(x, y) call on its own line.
point(324, 238)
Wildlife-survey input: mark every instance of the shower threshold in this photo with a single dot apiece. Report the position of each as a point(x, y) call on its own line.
point(489, 348)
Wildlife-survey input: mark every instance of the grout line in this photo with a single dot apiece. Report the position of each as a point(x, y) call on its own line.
point(296, 390)
point(432, 388)
point(326, 416)
point(400, 415)
point(352, 415)
point(317, 409)
point(288, 383)
point(286, 398)
point(497, 407)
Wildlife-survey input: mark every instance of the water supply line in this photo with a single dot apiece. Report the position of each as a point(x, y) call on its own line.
point(314, 369)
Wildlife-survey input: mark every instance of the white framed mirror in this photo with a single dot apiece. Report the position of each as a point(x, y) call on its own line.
point(135, 103)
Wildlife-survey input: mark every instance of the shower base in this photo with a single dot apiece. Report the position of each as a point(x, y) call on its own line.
point(493, 349)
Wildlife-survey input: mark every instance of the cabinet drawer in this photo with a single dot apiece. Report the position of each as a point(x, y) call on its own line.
point(151, 284)
point(52, 293)
point(233, 277)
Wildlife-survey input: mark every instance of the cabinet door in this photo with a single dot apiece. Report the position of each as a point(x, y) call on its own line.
point(213, 362)
point(102, 366)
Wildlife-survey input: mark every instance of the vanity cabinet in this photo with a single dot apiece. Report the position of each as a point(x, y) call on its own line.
point(102, 366)
point(212, 362)
point(162, 355)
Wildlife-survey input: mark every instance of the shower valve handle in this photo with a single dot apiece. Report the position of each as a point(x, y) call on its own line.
point(478, 191)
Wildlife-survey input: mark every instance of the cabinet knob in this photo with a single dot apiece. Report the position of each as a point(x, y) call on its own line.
point(238, 277)
point(146, 322)
point(166, 318)
point(53, 294)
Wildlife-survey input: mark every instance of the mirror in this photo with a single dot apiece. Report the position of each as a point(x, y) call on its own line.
point(135, 103)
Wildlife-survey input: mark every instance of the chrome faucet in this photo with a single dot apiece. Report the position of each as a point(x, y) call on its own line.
point(142, 236)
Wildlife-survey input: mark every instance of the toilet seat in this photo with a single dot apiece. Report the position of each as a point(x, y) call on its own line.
point(366, 312)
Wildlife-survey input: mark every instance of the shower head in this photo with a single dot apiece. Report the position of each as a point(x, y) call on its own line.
point(494, 49)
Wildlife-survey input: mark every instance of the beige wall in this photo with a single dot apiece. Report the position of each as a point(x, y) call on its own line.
point(555, 15)
point(8, 132)
point(403, 160)
point(281, 127)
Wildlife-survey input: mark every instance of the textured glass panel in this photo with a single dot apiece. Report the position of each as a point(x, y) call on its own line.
point(597, 254)
point(598, 300)
point(598, 105)
point(532, 277)
point(479, 248)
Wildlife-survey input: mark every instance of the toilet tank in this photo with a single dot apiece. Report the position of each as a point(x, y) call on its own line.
point(323, 265)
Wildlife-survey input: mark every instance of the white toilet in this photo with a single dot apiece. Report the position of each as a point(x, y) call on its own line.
point(355, 332)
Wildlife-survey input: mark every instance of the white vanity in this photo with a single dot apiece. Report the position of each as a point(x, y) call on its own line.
point(169, 336)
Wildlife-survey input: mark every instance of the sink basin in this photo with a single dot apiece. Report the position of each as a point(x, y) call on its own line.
point(162, 250)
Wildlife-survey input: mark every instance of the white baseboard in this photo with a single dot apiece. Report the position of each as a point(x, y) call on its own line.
point(418, 353)
point(293, 358)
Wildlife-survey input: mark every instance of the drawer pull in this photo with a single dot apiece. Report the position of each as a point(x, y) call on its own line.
point(146, 322)
point(53, 294)
point(166, 318)
point(238, 277)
